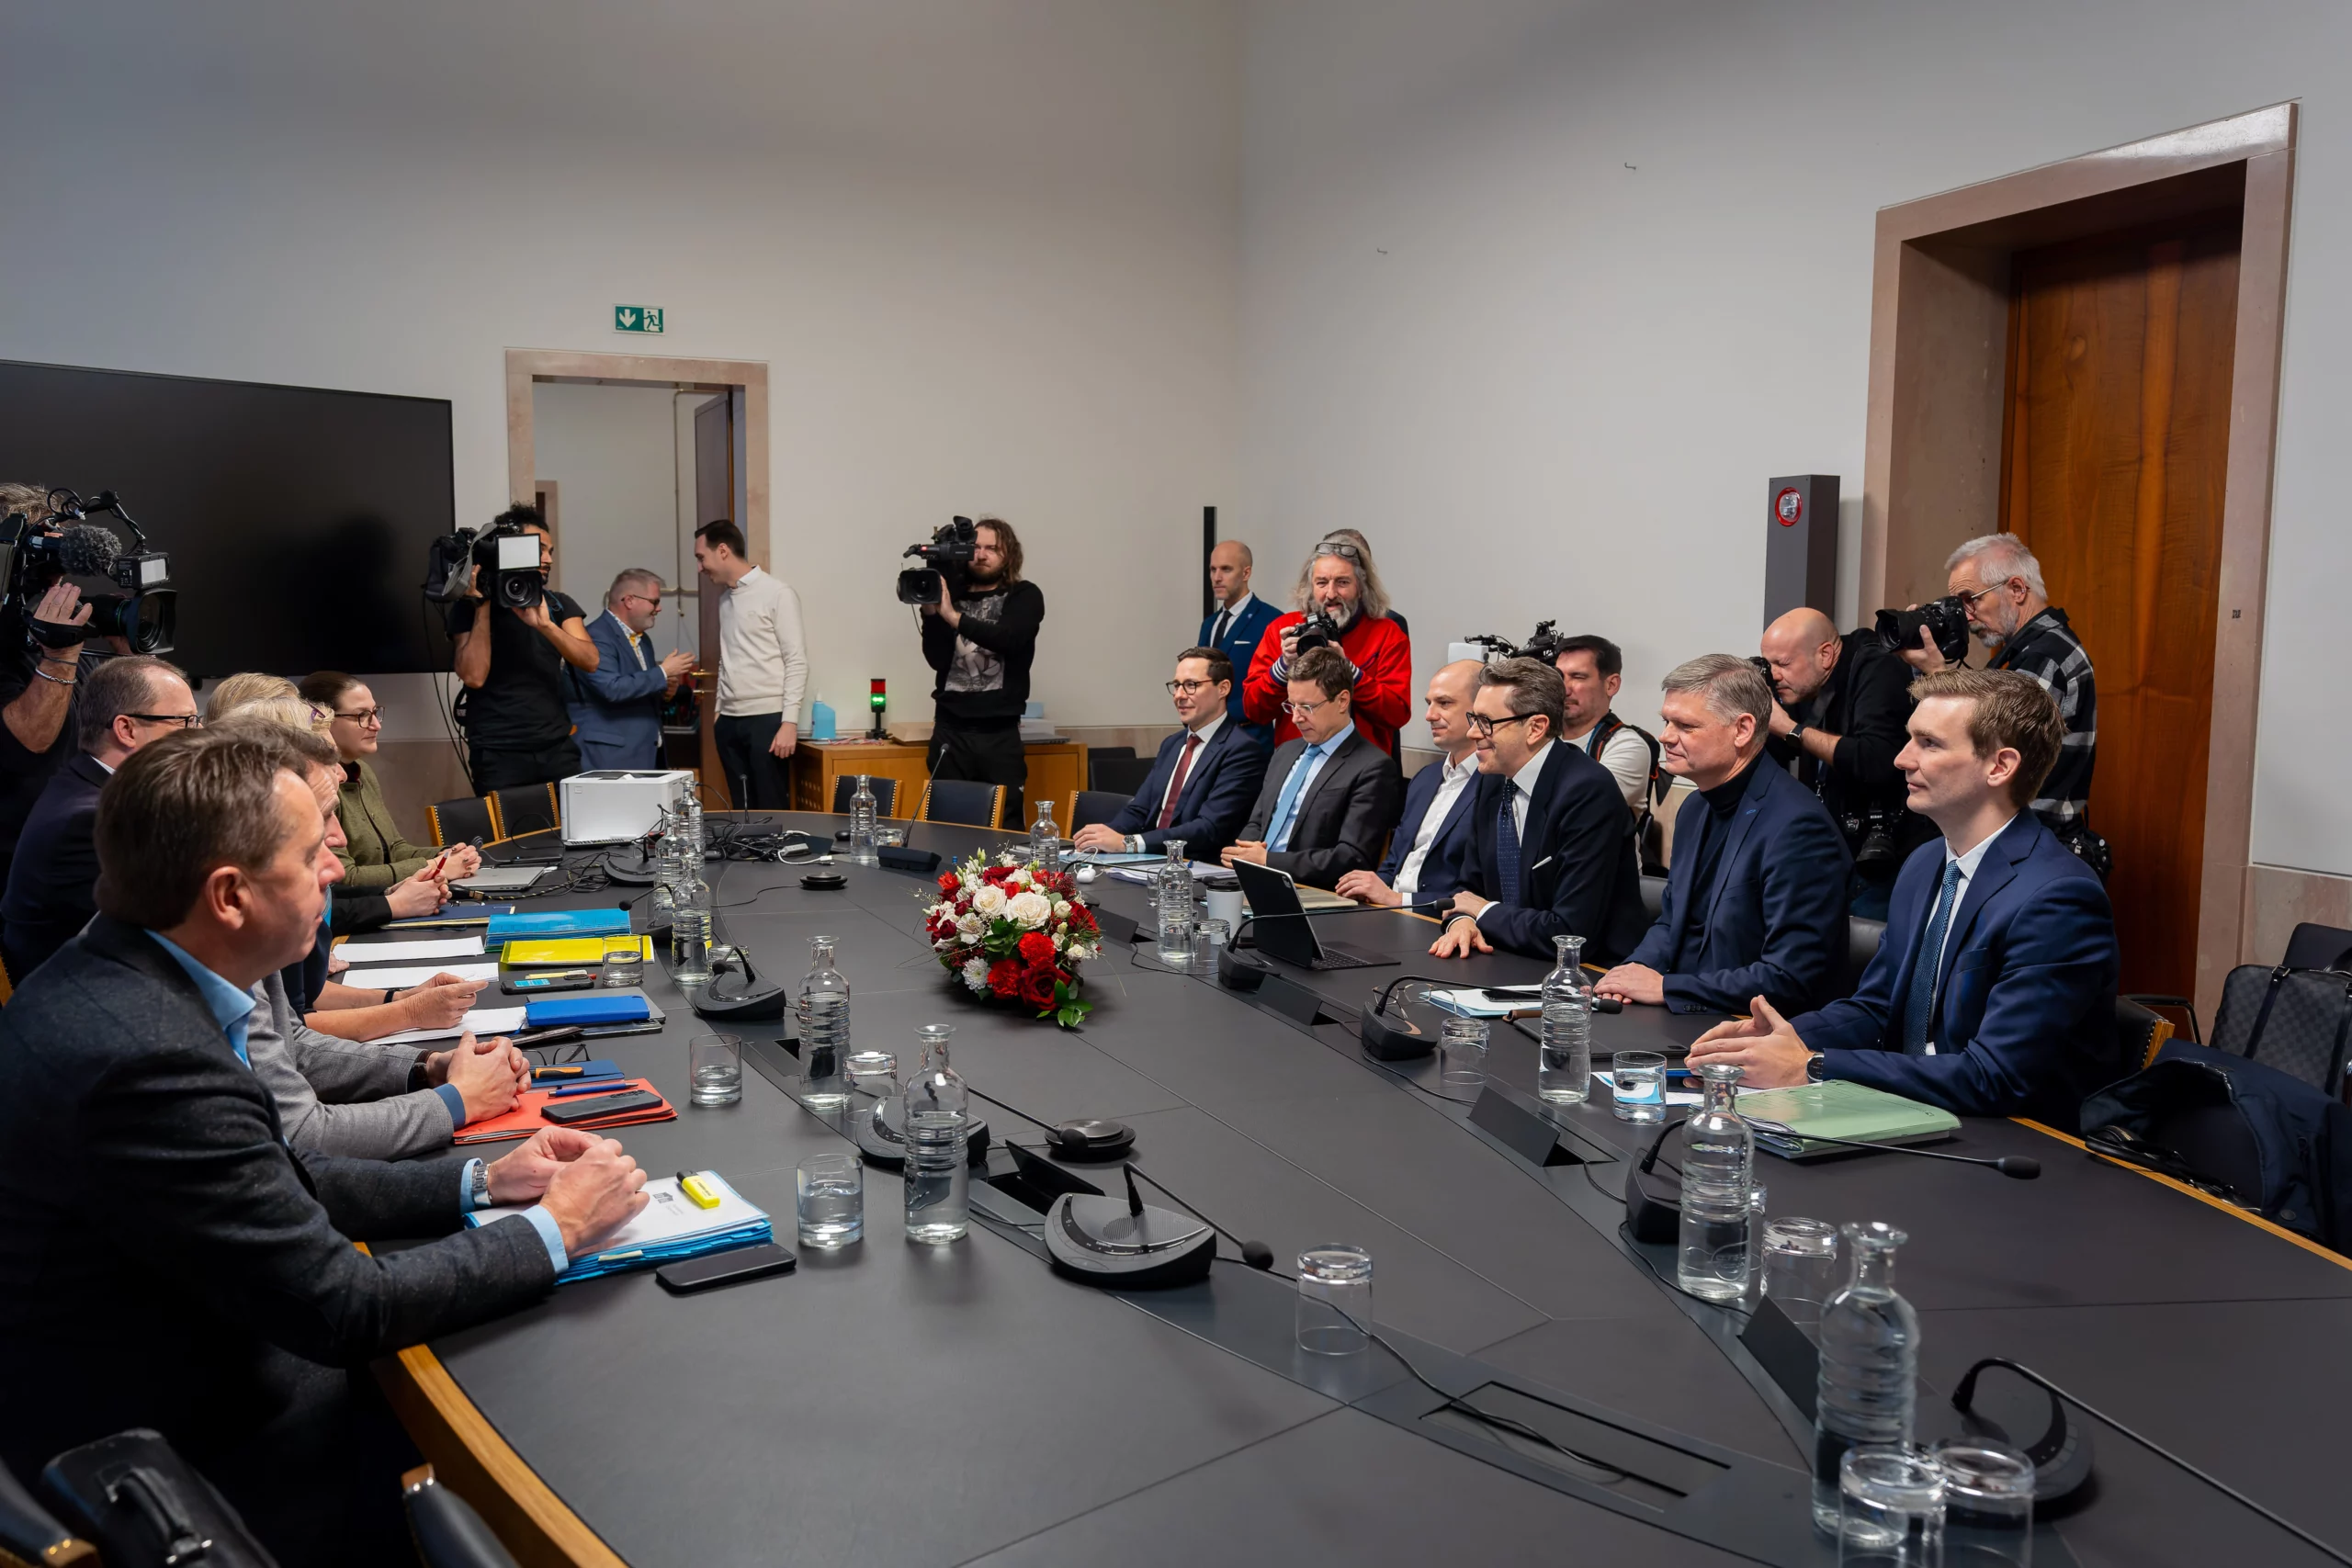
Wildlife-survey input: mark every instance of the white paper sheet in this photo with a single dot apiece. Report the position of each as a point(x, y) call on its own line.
point(482, 1022)
point(401, 979)
point(668, 1218)
point(363, 950)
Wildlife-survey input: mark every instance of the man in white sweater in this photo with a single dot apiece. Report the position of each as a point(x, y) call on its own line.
point(762, 669)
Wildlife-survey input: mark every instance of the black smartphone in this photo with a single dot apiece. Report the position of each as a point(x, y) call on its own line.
point(548, 981)
point(589, 1107)
point(724, 1268)
point(553, 1034)
point(1514, 994)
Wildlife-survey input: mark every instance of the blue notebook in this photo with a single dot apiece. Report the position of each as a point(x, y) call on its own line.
point(607, 1007)
point(557, 922)
point(670, 1226)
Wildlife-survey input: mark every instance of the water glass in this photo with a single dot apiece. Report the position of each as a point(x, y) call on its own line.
point(1889, 1509)
point(623, 968)
point(1801, 1269)
point(1462, 1053)
point(874, 1072)
point(715, 1068)
point(1640, 1080)
point(1334, 1299)
point(1208, 935)
point(832, 1201)
point(1988, 1504)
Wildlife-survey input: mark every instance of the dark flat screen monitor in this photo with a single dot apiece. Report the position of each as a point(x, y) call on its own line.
point(295, 518)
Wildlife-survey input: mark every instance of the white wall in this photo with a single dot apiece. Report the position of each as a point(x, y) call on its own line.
point(615, 456)
point(986, 248)
point(1554, 287)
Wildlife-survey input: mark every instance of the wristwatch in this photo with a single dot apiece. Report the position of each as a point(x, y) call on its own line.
point(1813, 1065)
point(1796, 729)
point(481, 1189)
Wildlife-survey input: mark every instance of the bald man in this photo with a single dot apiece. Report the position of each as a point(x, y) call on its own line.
point(1435, 837)
point(1844, 702)
point(1240, 619)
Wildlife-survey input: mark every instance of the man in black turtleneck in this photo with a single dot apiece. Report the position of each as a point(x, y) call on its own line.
point(1756, 901)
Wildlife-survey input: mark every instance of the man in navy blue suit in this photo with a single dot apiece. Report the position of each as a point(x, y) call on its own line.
point(1240, 619)
point(616, 707)
point(1207, 773)
point(1756, 904)
point(1430, 853)
point(1994, 991)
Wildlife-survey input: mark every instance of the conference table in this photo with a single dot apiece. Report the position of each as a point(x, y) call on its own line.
point(899, 1403)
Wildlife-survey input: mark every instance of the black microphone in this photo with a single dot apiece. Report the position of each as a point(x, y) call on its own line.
point(2018, 1168)
point(87, 550)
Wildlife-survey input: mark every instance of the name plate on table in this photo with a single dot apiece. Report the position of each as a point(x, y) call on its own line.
point(1530, 1134)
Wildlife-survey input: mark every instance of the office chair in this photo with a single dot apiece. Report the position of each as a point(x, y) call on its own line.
point(448, 1533)
point(962, 802)
point(1095, 754)
point(528, 808)
point(1653, 898)
point(2141, 1032)
point(2314, 946)
point(884, 792)
point(30, 1534)
point(1122, 775)
point(1862, 937)
point(1095, 805)
point(461, 822)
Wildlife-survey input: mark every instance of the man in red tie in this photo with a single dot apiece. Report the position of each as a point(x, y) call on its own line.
point(1206, 778)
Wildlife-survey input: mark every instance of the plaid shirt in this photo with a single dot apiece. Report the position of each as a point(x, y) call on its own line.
point(2046, 648)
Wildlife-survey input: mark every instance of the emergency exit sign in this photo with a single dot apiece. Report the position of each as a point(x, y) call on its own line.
point(637, 317)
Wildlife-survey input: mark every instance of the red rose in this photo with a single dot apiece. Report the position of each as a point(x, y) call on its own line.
point(1004, 978)
point(1037, 986)
point(1037, 948)
point(1082, 918)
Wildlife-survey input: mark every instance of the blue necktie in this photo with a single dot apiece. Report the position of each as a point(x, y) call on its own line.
point(1287, 802)
point(1506, 846)
point(1920, 1004)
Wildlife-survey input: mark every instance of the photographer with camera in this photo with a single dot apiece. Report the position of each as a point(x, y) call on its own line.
point(980, 635)
point(1842, 704)
point(1339, 604)
point(511, 659)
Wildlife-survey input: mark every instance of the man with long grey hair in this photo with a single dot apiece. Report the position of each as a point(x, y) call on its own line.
point(1341, 592)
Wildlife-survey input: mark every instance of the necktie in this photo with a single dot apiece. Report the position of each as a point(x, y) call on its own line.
point(1287, 801)
point(1506, 846)
point(1176, 785)
point(1919, 1004)
point(1224, 619)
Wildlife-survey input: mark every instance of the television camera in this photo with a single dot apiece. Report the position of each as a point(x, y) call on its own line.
point(141, 608)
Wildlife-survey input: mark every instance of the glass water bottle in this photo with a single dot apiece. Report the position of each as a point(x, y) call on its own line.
point(937, 1123)
point(1870, 1365)
point(1563, 1050)
point(1718, 1173)
point(823, 1013)
point(690, 926)
point(1174, 896)
point(1046, 838)
point(861, 824)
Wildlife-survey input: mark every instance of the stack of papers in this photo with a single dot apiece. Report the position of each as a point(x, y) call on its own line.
point(402, 978)
point(668, 1228)
point(559, 922)
point(482, 1022)
point(378, 950)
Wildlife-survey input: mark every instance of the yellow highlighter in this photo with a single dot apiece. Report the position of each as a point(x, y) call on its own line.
point(700, 1193)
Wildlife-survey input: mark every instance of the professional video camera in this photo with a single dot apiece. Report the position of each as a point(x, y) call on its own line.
point(505, 550)
point(35, 556)
point(1946, 620)
point(943, 562)
point(1542, 643)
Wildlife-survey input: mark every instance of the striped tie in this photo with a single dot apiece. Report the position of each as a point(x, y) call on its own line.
point(1919, 1004)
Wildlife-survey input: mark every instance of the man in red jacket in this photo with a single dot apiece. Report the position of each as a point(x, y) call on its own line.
point(1340, 584)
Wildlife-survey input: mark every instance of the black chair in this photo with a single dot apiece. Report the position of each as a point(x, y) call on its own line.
point(461, 821)
point(529, 808)
point(885, 793)
point(1653, 898)
point(1095, 754)
point(28, 1533)
point(1095, 805)
point(2141, 1032)
point(1862, 937)
point(448, 1533)
point(2314, 947)
point(1120, 775)
point(962, 802)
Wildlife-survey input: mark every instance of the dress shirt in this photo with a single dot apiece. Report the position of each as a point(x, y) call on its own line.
point(1228, 613)
point(762, 656)
point(1453, 782)
point(1522, 797)
point(1205, 734)
point(1968, 865)
point(636, 640)
point(1311, 762)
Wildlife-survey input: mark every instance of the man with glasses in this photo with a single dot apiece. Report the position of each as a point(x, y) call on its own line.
point(1341, 586)
point(126, 702)
point(616, 706)
point(1330, 796)
point(1200, 787)
point(1554, 854)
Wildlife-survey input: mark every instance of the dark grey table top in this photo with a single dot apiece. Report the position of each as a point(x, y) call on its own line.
point(897, 1403)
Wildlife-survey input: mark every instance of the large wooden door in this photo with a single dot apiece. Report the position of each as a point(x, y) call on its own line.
point(713, 499)
point(2114, 449)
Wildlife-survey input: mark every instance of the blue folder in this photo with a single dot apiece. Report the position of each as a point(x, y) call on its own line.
point(556, 922)
point(686, 1235)
point(607, 1007)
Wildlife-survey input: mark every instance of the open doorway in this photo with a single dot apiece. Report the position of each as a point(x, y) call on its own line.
point(628, 455)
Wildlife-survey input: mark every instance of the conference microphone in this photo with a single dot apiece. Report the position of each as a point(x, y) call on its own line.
point(2018, 1168)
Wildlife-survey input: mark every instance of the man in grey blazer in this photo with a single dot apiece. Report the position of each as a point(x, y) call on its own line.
point(166, 1259)
point(1330, 796)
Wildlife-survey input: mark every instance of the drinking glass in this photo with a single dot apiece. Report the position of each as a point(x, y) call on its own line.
point(874, 1072)
point(1801, 1269)
point(1208, 935)
point(832, 1201)
point(1889, 1509)
point(1462, 1053)
point(1640, 1080)
point(1988, 1504)
point(715, 1068)
point(1334, 1299)
point(623, 968)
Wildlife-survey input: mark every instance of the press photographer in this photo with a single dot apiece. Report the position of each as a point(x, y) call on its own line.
point(1840, 715)
point(980, 634)
point(1339, 604)
point(513, 636)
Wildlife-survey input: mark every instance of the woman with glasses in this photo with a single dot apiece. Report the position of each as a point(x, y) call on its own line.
point(378, 856)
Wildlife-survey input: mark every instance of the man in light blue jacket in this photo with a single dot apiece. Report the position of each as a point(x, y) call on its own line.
point(616, 707)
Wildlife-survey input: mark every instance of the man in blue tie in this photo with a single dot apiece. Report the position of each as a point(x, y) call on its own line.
point(1992, 993)
point(1240, 619)
point(1330, 796)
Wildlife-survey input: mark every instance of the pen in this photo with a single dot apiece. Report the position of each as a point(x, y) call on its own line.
point(596, 1086)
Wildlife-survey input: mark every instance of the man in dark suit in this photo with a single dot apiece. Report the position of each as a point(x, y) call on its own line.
point(1756, 901)
point(1994, 991)
point(1240, 619)
point(126, 703)
point(1201, 785)
point(1431, 846)
point(1330, 796)
point(166, 1259)
point(1554, 848)
point(616, 707)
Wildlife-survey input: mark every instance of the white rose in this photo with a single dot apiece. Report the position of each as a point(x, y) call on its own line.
point(990, 901)
point(970, 926)
point(1060, 943)
point(1061, 909)
point(1028, 909)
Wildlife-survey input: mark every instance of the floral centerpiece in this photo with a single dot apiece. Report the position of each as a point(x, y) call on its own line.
point(1013, 931)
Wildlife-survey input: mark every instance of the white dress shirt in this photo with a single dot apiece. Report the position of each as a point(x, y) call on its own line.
point(1453, 782)
point(1230, 615)
point(1523, 795)
point(762, 656)
point(1968, 865)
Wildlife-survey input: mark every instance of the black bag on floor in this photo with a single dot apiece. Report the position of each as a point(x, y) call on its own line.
point(144, 1507)
point(2240, 1130)
point(2298, 1021)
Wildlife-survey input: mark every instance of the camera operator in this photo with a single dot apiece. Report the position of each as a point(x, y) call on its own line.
point(1338, 588)
point(2000, 583)
point(981, 637)
point(1841, 717)
point(518, 729)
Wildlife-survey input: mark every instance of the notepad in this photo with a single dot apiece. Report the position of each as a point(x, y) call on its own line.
point(401, 979)
point(365, 950)
point(482, 1022)
point(559, 922)
point(670, 1226)
point(1782, 1117)
point(573, 950)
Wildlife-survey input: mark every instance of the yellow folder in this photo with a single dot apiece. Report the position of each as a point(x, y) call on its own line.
point(566, 950)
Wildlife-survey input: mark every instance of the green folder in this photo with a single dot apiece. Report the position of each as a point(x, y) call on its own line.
point(1782, 1117)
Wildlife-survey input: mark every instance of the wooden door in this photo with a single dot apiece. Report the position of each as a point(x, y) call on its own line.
point(2114, 447)
point(713, 499)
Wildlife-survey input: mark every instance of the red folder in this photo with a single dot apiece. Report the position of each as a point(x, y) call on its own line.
point(525, 1119)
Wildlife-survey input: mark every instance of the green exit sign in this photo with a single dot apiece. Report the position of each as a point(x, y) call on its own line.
point(637, 317)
